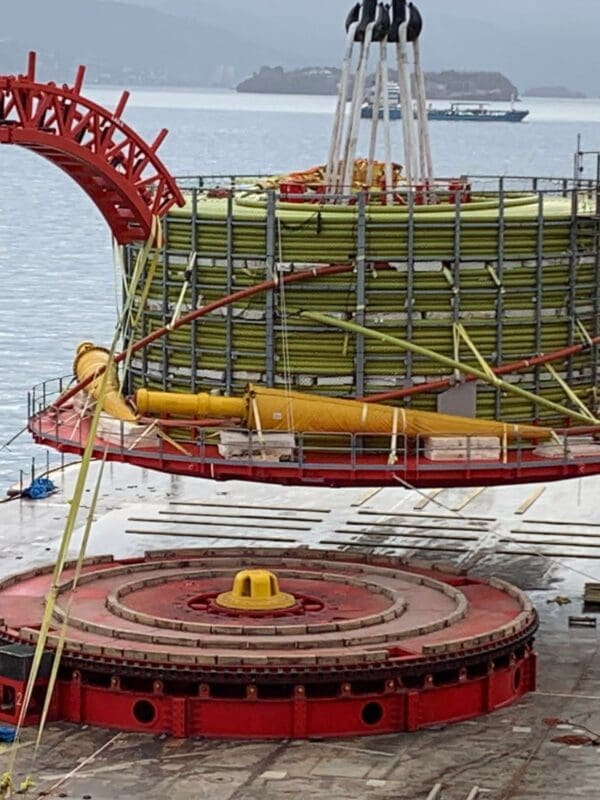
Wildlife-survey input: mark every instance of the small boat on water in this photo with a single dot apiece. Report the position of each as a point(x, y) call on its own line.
point(481, 112)
point(457, 112)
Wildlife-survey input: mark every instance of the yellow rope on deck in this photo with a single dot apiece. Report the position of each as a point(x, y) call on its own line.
point(6, 780)
point(63, 632)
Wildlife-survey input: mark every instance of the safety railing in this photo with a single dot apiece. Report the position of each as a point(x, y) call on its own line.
point(288, 451)
point(587, 179)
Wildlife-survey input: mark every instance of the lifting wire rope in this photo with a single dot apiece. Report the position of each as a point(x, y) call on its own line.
point(365, 32)
point(333, 161)
point(398, 24)
point(400, 36)
point(381, 102)
point(6, 780)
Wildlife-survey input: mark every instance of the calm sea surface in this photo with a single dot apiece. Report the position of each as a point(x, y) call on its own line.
point(57, 281)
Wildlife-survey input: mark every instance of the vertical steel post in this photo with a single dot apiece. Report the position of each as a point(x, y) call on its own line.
point(361, 295)
point(573, 264)
point(229, 290)
point(166, 313)
point(539, 300)
point(456, 266)
point(410, 285)
point(500, 291)
point(596, 321)
point(270, 296)
point(577, 163)
point(194, 293)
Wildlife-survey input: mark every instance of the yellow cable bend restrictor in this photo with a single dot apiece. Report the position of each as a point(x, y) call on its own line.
point(189, 405)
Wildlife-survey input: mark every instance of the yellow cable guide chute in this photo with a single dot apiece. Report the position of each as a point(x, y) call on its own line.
point(270, 409)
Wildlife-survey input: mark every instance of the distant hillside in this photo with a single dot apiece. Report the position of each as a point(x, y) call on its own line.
point(448, 85)
point(204, 42)
point(553, 91)
point(125, 44)
point(276, 80)
point(455, 85)
point(536, 43)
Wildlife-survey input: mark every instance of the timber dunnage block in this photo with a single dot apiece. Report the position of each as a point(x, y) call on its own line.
point(462, 448)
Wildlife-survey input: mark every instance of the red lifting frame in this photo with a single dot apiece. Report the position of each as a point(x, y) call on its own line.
point(117, 169)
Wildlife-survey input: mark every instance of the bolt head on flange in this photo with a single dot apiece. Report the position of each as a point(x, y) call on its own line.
point(256, 590)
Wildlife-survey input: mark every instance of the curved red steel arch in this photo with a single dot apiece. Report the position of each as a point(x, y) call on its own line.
point(119, 171)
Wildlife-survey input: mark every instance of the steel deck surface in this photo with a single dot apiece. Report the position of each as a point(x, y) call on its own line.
point(546, 542)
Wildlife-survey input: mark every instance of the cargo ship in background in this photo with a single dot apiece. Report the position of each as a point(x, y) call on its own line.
point(354, 393)
point(455, 112)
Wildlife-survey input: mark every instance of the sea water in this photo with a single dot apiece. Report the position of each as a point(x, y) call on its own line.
point(58, 284)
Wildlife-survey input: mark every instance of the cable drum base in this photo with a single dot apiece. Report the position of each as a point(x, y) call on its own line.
point(390, 646)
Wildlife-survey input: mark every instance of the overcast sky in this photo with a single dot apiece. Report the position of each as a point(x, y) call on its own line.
point(533, 42)
point(539, 42)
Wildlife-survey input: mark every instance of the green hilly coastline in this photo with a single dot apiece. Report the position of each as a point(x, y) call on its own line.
point(445, 85)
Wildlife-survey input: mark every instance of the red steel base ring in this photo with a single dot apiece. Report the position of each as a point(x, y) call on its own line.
point(390, 646)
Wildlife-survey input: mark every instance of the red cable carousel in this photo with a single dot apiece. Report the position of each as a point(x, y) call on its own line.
point(269, 644)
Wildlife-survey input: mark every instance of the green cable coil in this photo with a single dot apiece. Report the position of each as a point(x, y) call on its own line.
point(520, 272)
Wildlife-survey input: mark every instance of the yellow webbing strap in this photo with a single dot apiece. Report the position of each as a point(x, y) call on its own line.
point(140, 262)
point(169, 440)
point(119, 274)
point(60, 561)
point(156, 239)
point(462, 333)
point(456, 350)
point(583, 331)
point(258, 424)
point(71, 521)
point(184, 288)
point(26, 784)
point(77, 574)
point(393, 457)
point(571, 394)
point(495, 277)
